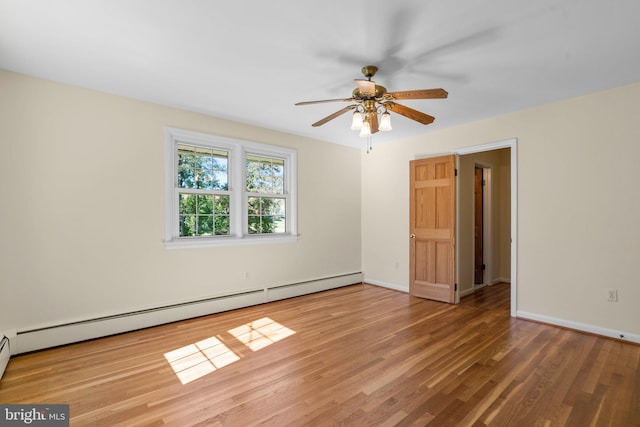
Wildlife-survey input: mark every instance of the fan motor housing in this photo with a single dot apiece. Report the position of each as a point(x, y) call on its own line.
point(380, 92)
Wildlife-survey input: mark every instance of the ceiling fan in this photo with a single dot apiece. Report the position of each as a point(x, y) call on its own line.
point(370, 99)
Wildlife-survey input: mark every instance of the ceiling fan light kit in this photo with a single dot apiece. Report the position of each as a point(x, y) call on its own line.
point(356, 122)
point(365, 131)
point(372, 100)
point(385, 122)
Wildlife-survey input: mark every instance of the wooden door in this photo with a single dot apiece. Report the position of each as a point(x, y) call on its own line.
point(432, 228)
point(478, 227)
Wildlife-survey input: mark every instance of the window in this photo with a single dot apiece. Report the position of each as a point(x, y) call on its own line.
point(265, 195)
point(221, 191)
point(203, 191)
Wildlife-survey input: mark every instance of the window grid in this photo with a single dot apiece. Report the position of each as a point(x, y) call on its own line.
point(203, 214)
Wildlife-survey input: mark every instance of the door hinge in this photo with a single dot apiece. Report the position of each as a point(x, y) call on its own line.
point(483, 183)
point(483, 267)
point(455, 171)
point(455, 287)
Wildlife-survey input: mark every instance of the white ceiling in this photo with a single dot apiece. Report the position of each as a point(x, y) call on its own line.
point(251, 60)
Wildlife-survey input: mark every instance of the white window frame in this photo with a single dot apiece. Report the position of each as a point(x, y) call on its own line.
point(238, 206)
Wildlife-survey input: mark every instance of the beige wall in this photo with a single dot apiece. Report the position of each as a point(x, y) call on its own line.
point(81, 184)
point(578, 205)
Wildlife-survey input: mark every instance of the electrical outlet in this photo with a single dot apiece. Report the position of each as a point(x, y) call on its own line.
point(612, 295)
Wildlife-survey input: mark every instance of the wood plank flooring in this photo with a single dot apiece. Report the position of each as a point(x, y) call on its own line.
point(358, 356)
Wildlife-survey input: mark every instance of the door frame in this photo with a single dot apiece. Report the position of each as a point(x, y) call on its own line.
point(513, 145)
point(487, 218)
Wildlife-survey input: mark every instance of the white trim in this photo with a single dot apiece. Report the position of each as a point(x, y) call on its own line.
point(513, 145)
point(490, 146)
point(219, 241)
point(584, 327)
point(393, 286)
point(456, 247)
point(238, 150)
point(487, 219)
point(501, 280)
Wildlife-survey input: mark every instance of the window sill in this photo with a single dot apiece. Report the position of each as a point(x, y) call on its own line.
point(213, 242)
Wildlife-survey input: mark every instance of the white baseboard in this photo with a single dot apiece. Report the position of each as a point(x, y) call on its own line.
point(276, 293)
point(611, 333)
point(466, 292)
point(501, 280)
point(393, 286)
point(50, 336)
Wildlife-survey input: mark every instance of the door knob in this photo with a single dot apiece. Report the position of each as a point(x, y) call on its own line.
point(413, 236)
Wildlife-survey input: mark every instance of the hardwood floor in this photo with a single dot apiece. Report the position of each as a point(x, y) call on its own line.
point(360, 355)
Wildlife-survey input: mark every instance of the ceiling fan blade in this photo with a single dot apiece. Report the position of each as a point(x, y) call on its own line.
point(418, 94)
point(366, 87)
point(372, 119)
point(324, 100)
point(334, 115)
point(410, 113)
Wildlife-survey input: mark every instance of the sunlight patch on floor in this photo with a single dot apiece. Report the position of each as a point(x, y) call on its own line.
point(196, 360)
point(260, 333)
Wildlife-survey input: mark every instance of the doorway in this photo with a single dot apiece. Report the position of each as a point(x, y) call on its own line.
point(442, 252)
point(505, 227)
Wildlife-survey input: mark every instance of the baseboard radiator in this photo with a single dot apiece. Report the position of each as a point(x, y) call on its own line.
point(5, 353)
point(51, 336)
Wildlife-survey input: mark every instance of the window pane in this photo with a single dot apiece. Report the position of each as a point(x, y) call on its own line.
point(204, 161)
point(187, 225)
point(185, 156)
point(204, 179)
point(222, 225)
point(254, 205)
point(267, 224)
point(205, 204)
point(279, 224)
point(186, 177)
point(273, 206)
point(254, 224)
point(221, 206)
point(205, 225)
point(278, 185)
point(187, 204)
point(220, 162)
point(220, 181)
